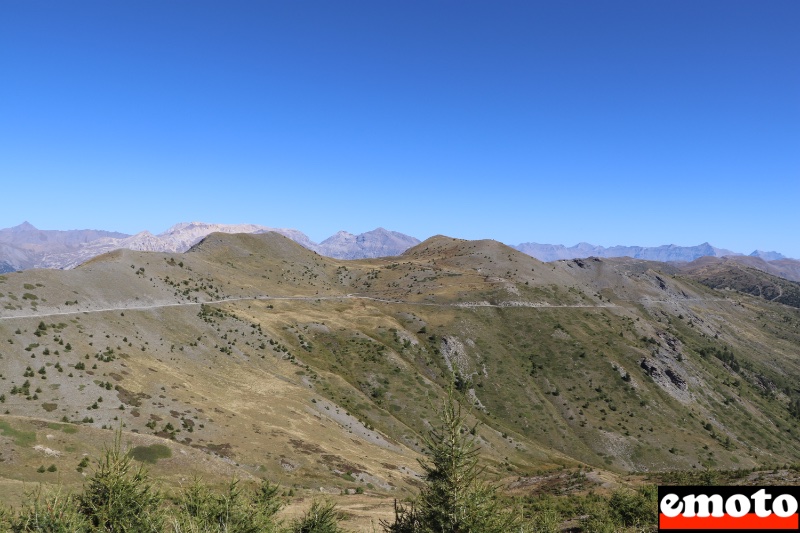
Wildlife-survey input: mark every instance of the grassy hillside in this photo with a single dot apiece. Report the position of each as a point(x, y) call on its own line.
point(733, 275)
point(251, 354)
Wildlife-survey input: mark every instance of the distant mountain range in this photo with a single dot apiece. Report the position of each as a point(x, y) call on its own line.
point(24, 247)
point(665, 253)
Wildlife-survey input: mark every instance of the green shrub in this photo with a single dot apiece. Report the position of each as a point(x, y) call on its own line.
point(547, 521)
point(54, 513)
point(322, 517)
point(634, 509)
point(119, 497)
point(234, 510)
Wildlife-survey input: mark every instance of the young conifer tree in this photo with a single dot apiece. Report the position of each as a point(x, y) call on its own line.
point(455, 498)
point(120, 496)
point(54, 512)
point(236, 509)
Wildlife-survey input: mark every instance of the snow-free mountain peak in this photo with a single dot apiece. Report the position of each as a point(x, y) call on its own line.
point(25, 226)
point(379, 242)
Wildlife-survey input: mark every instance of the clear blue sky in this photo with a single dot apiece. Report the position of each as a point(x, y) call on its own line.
point(638, 122)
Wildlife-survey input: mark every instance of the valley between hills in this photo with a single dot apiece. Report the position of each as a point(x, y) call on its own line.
point(252, 356)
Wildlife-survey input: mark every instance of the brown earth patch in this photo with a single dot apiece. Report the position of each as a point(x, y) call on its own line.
point(342, 465)
point(305, 447)
point(131, 398)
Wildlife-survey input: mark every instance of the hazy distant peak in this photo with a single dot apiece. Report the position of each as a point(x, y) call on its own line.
point(341, 234)
point(204, 228)
point(663, 253)
point(25, 226)
point(180, 226)
point(767, 256)
point(144, 241)
point(584, 246)
point(386, 232)
point(379, 242)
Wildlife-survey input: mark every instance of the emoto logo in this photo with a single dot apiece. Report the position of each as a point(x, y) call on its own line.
point(728, 508)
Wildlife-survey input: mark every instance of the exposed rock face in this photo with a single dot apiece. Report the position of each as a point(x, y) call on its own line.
point(675, 378)
point(650, 368)
point(658, 376)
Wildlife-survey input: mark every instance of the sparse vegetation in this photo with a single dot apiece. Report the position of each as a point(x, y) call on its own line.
point(120, 497)
point(260, 358)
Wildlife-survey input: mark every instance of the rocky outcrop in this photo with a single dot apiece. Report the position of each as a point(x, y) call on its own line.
point(666, 377)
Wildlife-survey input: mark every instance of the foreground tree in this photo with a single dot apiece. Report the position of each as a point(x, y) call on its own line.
point(236, 509)
point(455, 498)
point(322, 517)
point(120, 496)
point(54, 512)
